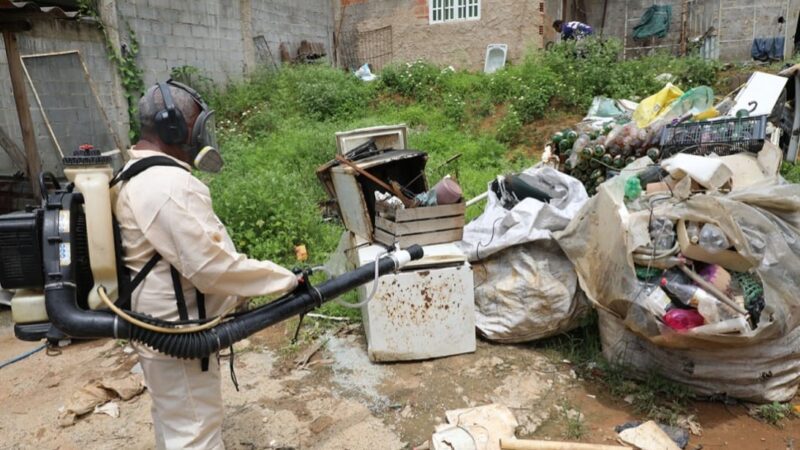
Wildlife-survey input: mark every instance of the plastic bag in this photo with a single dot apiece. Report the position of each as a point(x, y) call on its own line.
point(525, 287)
point(601, 239)
point(653, 107)
point(529, 220)
point(527, 292)
point(604, 107)
point(364, 74)
point(762, 373)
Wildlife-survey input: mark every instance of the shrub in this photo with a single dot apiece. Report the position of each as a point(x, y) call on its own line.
point(325, 94)
point(592, 67)
point(508, 131)
point(419, 80)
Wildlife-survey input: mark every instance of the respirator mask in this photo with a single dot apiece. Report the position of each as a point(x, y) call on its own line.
point(202, 141)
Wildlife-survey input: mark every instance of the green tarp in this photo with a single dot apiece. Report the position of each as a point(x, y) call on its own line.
point(654, 22)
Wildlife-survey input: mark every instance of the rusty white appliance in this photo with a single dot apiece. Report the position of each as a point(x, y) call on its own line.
point(424, 311)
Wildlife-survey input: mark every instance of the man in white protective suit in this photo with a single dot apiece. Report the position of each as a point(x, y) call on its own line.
point(192, 271)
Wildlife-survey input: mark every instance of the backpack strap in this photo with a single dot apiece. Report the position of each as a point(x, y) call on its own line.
point(142, 165)
point(183, 313)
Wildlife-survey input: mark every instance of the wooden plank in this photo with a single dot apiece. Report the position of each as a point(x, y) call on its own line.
point(17, 76)
point(41, 109)
point(430, 212)
point(387, 225)
point(419, 226)
point(431, 238)
point(383, 237)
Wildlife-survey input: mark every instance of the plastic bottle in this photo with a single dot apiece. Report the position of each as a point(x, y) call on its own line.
point(713, 239)
point(683, 319)
point(656, 301)
point(662, 233)
point(735, 325)
point(580, 143)
point(711, 309)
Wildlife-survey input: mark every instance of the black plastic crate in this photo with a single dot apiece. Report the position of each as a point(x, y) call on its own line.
point(723, 137)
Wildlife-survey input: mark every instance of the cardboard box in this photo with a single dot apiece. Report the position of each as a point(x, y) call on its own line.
point(729, 259)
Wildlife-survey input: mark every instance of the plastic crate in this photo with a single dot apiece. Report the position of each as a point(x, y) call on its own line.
point(723, 137)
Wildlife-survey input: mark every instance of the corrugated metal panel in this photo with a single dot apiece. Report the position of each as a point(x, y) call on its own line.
point(34, 9)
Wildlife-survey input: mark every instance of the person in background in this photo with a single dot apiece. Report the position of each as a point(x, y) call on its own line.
point(572, 30)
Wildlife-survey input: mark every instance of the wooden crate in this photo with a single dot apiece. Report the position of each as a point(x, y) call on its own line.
point(423, 226)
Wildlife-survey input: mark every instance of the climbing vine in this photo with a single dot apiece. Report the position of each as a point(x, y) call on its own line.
point(124, 60)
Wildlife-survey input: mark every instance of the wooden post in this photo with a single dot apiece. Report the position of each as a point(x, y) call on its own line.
point(17, 75)
point(684, 25)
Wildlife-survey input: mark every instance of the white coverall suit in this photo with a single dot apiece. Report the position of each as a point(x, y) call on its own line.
point(167, 210)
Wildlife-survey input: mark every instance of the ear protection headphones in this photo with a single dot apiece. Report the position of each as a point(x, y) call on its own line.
point(170, 122)
point(199, 142)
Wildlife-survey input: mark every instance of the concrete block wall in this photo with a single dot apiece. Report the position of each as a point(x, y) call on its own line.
point(48, 36)
point(216, 35)
point(461, 44)
point(737, 23)
point(206, 34)
point(292, 21)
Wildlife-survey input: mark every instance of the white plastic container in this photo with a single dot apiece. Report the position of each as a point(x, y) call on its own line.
point(92, 182)
point(28, 307)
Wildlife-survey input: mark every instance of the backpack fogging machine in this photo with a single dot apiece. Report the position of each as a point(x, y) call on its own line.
point(70, 249)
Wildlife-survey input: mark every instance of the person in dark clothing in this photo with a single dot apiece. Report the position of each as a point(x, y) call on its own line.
point(572, 30)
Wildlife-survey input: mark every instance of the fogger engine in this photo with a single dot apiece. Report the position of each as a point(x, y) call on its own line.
point(64, 260)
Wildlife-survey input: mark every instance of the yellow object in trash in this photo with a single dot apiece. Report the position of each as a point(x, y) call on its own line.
point(300, 252)
point(653, 107)
point(710, 113)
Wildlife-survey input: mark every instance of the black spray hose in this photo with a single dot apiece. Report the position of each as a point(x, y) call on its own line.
point(65, 314)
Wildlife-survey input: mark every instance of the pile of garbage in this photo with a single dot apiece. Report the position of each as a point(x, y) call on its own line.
point(697, 270)
point(617, 132)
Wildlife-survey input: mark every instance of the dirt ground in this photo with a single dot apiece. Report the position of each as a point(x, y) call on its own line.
point(339, 400)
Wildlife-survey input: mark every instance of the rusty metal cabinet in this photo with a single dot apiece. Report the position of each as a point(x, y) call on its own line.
point(425, 311)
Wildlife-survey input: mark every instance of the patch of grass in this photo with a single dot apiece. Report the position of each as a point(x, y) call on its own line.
point(791, 172)
point(775, 413)
point(573, 419)
point(654, 397)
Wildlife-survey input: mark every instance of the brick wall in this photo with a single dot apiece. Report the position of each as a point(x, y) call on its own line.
point(461, 44)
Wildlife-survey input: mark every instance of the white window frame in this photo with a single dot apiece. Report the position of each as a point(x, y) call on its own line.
point(447, 11)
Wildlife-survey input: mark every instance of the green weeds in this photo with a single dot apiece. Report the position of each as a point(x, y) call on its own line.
point(774, 413)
